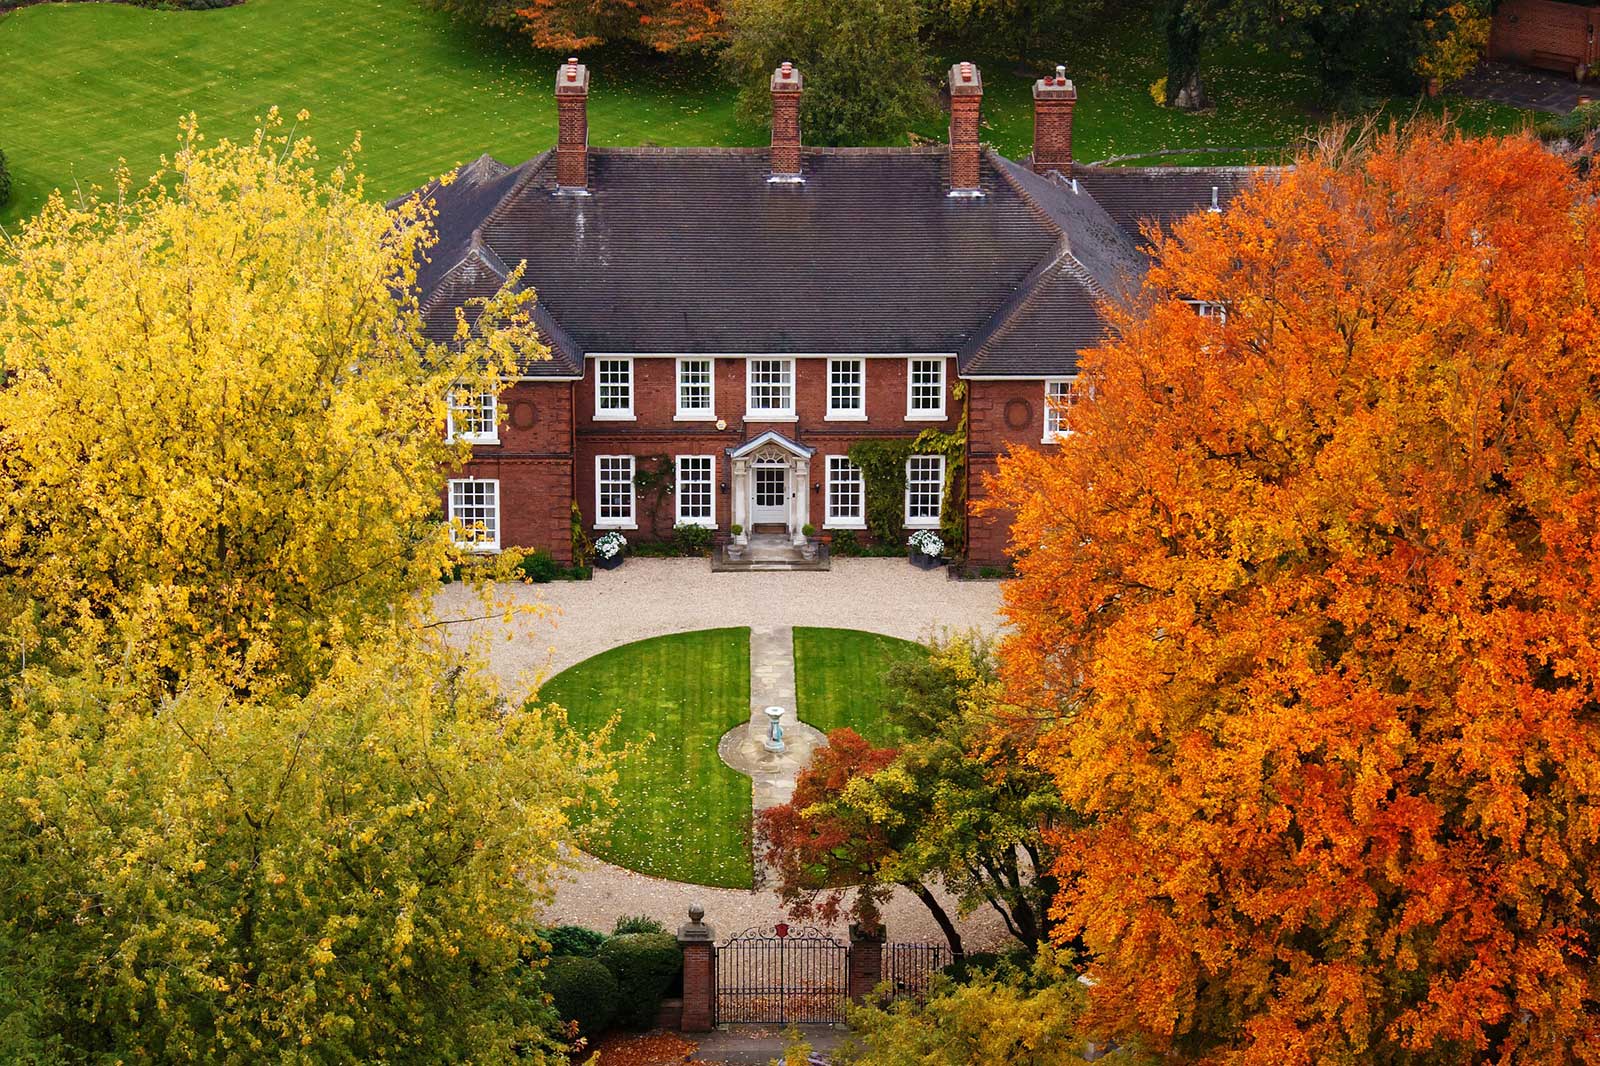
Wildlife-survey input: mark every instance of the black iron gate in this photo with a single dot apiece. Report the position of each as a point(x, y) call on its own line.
point(782, 976)
point(909, 968)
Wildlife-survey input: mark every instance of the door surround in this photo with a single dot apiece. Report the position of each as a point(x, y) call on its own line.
point(769, 451)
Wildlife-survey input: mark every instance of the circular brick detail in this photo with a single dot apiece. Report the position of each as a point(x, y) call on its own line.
point(1018, 413)
point(523, 414)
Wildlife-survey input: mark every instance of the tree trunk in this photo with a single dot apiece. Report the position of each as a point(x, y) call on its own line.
point(945, 924)
point(1185, 91)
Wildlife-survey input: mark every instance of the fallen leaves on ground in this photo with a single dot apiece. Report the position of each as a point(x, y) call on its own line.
point(649, 1049)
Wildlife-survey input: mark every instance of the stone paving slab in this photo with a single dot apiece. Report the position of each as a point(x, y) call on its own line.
point(1515, 86)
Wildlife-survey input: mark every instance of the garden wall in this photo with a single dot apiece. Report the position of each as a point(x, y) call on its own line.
point(1534, 32)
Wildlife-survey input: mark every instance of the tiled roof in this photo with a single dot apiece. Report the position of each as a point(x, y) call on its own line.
point(694, 250)
point(1163, 195)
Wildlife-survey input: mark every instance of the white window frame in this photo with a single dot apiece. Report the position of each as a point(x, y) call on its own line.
point(612, 414)
point(759, 414)
point(848, 414)
point(484, 405)
point(630, 522)
point(709, 521)
point(1210, 309)
point(474, 544)
point(1054, 410)
point(708, 413)
point(829, 521)
point(914, 413)
point(923, 522)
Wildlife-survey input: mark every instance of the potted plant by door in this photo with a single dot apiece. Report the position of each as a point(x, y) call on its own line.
point(735, 549)
point(608, 550)
point(808, 550)
point(927, 549)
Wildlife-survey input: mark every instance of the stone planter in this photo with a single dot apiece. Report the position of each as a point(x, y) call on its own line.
point(734, 551)
point(601, 562)
point(925, 562)
point(808, 550)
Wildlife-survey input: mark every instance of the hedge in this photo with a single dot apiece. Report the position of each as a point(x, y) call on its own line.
point(645, 966)
point(574, 940)
point(583, 991)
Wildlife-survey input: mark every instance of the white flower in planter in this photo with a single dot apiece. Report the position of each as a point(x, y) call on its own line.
point(927, 542)
point(609, 545)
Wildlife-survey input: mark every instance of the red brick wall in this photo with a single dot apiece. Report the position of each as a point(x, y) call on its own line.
point(1522, 27)
point(533, 462)
point(655, 433)
point(1001, 414)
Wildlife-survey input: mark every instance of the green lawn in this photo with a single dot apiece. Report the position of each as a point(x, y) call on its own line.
point(682, 813)
point(839, 678)
point(89, 83)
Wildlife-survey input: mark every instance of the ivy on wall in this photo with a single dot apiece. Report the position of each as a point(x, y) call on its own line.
point(883, 471)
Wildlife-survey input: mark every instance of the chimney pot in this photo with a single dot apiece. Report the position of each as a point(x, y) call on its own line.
point(966, 100)
point(1054, 98)
point(572, 113)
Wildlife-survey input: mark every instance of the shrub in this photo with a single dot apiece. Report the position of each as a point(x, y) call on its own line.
point(637, 923)
point(582, 991)
point(691, 539)
point(539, 566)
point(574, 940)
point(645, 966)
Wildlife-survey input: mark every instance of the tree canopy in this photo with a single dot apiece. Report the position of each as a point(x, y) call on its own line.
point(222, 431)
point(959, 804)
point(1311, 593)
point(251, 807)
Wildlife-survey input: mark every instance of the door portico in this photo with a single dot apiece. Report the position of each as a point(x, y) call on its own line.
point(771, 483)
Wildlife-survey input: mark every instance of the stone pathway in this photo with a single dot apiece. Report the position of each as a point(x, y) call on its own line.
point(1504, 83)
point(651, 597)
point(772, 773)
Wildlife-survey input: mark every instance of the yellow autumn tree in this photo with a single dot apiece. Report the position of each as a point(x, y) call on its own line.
point(350, 875)
point(222, 429)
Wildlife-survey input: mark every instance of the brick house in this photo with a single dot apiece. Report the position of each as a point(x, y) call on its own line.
point(725, 324)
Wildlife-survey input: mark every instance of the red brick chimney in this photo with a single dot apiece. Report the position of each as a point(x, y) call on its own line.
point(787, 85)
point(966, 96)
point(572, 110)
point(1053, 101)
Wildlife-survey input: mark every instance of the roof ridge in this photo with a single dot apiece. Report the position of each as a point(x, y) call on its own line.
point(483, 254)
point(1082, 273)
point(1008, 313)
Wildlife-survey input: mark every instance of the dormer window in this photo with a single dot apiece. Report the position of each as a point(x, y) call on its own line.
point(472, 417)
point(1209, 309)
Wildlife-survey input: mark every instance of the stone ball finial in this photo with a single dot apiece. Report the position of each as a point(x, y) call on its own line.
point(696, 912)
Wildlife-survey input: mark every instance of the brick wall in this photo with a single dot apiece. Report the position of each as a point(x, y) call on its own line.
point(655, 432)
point(1522, 27)
point(1001, 415)
point(533, 463)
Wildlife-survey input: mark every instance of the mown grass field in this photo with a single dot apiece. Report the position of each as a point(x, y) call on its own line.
point(681, 812)
point(839, 679)
point(87, 84)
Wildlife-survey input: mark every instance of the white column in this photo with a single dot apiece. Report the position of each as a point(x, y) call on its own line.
point(741, 498)
point(800, 503)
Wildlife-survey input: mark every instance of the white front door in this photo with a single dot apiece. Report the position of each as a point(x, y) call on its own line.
point(769, 495)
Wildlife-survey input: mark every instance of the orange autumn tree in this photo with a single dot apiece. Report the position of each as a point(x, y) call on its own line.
point(1311, 595)
point(664, 25)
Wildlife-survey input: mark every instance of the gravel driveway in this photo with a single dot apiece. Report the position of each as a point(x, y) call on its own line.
point(651, 597)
